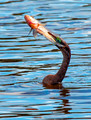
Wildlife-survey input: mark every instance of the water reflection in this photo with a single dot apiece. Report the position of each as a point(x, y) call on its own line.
point(61, 104)
point(64, 107)
point(25, 61)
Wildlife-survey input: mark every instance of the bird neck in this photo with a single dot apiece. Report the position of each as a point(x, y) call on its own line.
point(66, 59)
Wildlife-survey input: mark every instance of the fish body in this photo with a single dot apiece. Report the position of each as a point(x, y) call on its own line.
point(33, 23)
point(38, 27)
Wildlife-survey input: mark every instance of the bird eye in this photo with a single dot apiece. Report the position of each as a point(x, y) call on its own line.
point(58, 40)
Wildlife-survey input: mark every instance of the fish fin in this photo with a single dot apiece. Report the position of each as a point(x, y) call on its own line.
point(34, 33)
point(44, 24)
point(30, 31)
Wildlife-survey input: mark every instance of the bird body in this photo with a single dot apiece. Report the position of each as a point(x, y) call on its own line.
point(37, 27)
point(59, 76)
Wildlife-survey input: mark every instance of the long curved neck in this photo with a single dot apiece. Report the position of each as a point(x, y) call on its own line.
point(66, 59)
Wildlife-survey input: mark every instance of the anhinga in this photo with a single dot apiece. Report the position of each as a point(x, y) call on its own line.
point(56, 40)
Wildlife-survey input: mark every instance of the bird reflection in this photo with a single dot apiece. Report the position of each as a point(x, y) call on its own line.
point(64, 106)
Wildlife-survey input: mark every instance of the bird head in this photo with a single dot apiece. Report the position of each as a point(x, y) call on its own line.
point(60, 43)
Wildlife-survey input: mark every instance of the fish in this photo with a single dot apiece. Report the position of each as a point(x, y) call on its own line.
point(40, 28)
point(33, 23)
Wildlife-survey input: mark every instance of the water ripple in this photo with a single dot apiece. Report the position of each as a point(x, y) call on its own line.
point(25, 61)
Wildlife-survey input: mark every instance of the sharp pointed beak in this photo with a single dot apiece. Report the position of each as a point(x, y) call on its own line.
point(56, 40)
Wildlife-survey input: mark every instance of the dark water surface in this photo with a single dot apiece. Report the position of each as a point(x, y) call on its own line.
point(25, 61)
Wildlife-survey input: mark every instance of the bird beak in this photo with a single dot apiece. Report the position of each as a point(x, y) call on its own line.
point(57, 40)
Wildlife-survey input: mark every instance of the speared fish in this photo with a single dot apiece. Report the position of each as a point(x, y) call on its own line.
point(33, 23)
point(38, 27)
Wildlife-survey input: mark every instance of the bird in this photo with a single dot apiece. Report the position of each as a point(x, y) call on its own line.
point(59, 76)
point(37, 27)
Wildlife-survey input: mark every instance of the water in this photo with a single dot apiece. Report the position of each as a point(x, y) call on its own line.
point(25, 61)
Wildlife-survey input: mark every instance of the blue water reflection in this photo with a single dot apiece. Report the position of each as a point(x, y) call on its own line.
point(25, 61)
